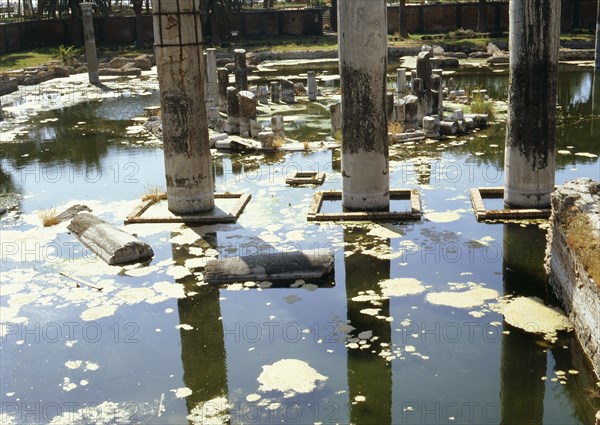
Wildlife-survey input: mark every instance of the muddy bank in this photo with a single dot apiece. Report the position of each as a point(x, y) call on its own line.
point(578, 292)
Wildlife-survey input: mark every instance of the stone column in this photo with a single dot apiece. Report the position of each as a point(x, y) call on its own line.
point(421, 101)
point(287, 91)
point(222, 83)
point(247, 102)
point(362, 36)
point(312, 85)
point(241, 71)
point(90, 42)
point(530, 156)
point(438, 97)
point(401, 82)
point(277, 126)
point(275, 92)
point(598, 37)
point(188, 168)
point(424, 71)
point(263, 94)
point(336, 119)
point(233, 111)
point(211, 73)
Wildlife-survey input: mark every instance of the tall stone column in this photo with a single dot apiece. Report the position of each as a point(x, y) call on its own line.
point(233, 111)
point(241, 70)
point(362, 35)
point(401, 82)
point(211, 73)
point(188, 168)
point(598, 37)
point(90, 42)
point(222, 83)
point(312, 85)
point(530, 156)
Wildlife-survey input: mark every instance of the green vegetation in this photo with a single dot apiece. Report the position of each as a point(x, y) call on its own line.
point(24, 59)
point(481, 105)
point(67, 55)
point(584, 241)
point(285, 43)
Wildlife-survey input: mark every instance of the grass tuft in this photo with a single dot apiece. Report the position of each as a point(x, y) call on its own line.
point(395, 127)
point(585, 243)
point(481, 105)
point(278, 142)
point(48, 217)
point(154, 193)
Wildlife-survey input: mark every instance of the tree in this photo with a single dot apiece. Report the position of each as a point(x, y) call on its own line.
point(215, 13)
point(138, 5)
point(481, 16)
point(403, 31)
point(72, 7)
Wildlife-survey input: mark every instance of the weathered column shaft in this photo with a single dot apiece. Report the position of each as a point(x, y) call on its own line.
point(530, 156)
point(222, 83)
point(188, 168)
point(277, 125)
point(287, 91)
point(312, 85)
point(247, 102)
point(211, 73)
point(424, 72)
point(598, 37)
point(336, 119)
point(90, 42)
point(275, 92)
point(401, 82)
point(362, 35)
point(233, 111)
point(241, 70)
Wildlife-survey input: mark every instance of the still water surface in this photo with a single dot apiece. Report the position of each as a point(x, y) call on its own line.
point(144, 351)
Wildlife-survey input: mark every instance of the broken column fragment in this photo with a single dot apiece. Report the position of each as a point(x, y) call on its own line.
point(275, 91)
point(241, 70)
point(312, 85)
point(222, 83)
point(233, 111)
point(287, 91)
point(111, 244)
point(271, 266)
point(247, 104)
point(90, 42)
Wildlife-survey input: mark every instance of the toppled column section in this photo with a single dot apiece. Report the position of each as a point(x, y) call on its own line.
point(112, 245)
point(278, 266)
point(571, 257)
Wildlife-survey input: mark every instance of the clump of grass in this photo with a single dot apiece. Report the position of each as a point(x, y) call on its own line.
point(481, 105)
point(278, 142)
point(584, 241)
point(306, 145)
point(395, 127)
point(154, 193)
point(66, 54)
point(48, 217)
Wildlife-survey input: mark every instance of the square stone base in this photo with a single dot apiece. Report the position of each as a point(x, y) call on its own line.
point(478, 194)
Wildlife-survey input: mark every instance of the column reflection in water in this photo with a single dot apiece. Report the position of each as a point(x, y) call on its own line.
point(523, 360)
point(369, 374)
point(203, 349)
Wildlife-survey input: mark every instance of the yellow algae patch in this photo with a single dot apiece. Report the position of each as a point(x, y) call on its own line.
point(586, 154)
point(95, 313)
point(442, 217)
point(532, 315)
point(401, 287)
point(182, 392)
point(215, 411)
point(384, 232)
point(141, 271)
point(73, 364)
point(178, 272)
point(290, 376)
point(171, 290)
point(370, 311)
point(135, 295)
point(467, 299)
point(295, 235)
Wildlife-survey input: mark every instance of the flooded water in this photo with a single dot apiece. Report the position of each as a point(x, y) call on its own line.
point(410, 329)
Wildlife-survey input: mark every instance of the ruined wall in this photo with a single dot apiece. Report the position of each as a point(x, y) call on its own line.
point(121, 30)
point(579, 294)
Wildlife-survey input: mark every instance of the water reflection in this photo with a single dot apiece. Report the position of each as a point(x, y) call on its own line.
point(523, 361)
point(369, 374)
